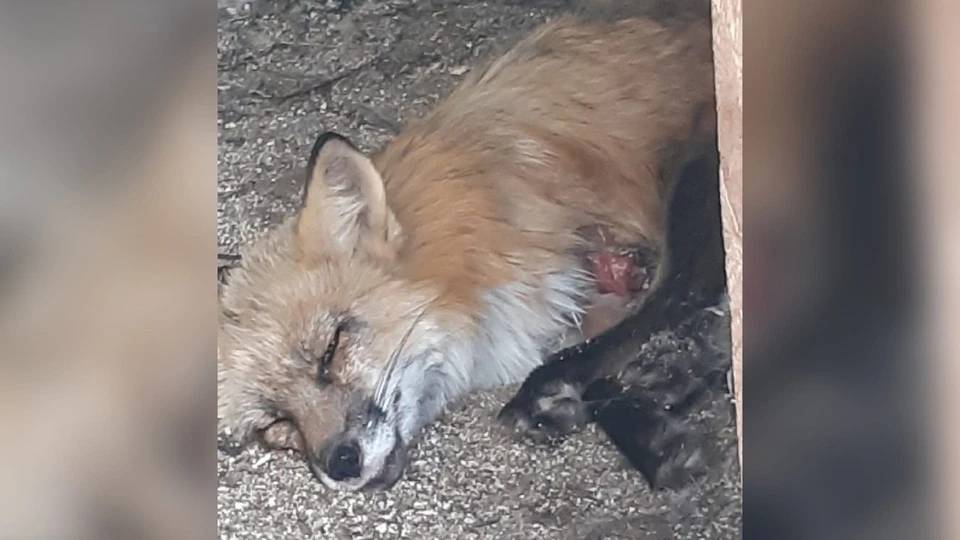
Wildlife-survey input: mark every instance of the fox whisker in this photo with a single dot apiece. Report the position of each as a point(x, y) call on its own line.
point(380, 391)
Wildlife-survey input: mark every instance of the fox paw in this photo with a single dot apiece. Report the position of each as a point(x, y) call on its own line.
point(282, 435)
point(544, 410)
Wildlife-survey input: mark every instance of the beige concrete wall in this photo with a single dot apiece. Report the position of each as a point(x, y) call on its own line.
point(728, 57)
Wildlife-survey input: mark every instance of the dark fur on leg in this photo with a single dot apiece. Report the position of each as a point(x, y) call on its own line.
point(642, 379)
point(651, 409)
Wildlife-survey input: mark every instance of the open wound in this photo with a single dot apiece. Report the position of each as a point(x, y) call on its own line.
point(624, 270)
point(623, 276)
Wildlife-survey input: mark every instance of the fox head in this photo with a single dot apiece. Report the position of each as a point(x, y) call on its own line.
point(320, 336)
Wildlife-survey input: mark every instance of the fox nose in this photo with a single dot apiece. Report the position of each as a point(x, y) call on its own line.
point(344, 462)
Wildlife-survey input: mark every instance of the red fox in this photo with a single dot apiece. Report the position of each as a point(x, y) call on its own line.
point(459, 256)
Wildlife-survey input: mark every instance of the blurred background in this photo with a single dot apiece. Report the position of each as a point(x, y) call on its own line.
point(833, 360)
point(108, 156)
point(107, 298)
point(839, 353)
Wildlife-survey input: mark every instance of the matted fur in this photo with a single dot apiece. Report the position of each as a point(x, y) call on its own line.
point(467, 223)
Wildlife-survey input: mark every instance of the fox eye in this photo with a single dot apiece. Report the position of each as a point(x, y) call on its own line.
point(323, 365)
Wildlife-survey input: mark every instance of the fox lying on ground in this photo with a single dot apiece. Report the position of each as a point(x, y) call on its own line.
point(464, 252)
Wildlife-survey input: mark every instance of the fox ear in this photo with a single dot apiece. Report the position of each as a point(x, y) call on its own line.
point(344, 202)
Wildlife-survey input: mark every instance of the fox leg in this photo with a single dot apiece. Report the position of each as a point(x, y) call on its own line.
point(623, 274)
point(282, 435)
point(550, 403)
point(639, 382)
point(662, 411)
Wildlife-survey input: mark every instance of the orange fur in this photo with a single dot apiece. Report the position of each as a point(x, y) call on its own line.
point(544, 142)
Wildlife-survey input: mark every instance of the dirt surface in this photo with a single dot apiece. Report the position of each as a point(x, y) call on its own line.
point(292, 69)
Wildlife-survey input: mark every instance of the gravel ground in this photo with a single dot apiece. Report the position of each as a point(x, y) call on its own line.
point(291, 69)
